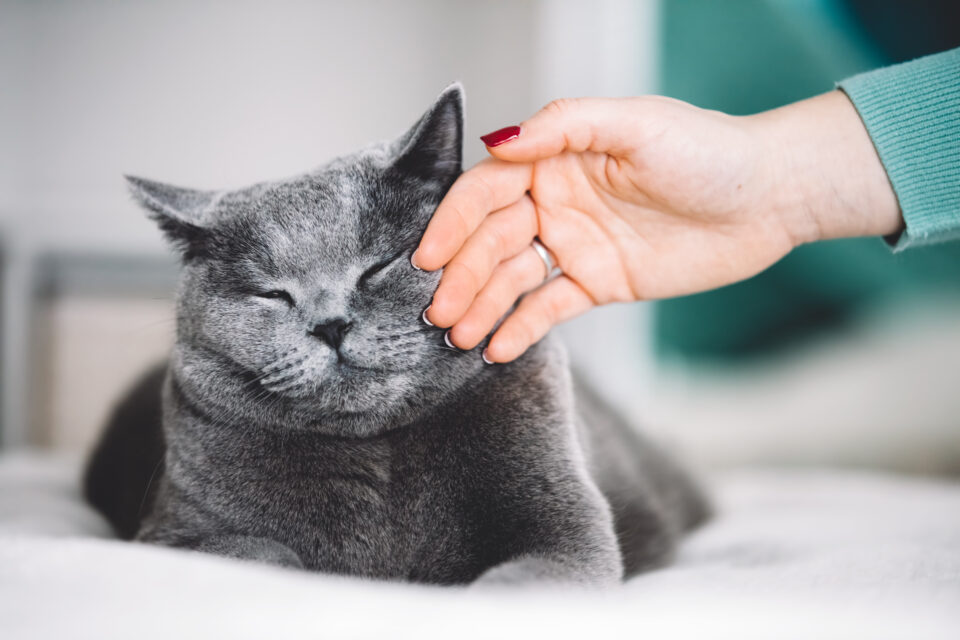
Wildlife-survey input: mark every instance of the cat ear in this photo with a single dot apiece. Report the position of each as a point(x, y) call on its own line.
point(433, 148)
point(182, 214)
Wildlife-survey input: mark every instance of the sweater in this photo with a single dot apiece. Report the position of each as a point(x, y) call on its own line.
point(912, 114)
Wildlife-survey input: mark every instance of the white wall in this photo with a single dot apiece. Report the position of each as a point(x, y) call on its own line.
point(225, 93)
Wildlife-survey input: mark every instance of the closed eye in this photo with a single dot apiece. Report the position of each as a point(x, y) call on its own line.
point(377, 268)
point(277, 294)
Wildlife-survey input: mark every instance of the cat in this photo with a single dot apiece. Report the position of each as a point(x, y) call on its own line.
point(310, 419)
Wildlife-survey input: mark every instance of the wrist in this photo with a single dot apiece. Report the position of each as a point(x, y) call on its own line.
point(828, 181)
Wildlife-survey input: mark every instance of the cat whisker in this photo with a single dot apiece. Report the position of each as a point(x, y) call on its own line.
point(405, 328)
point(439, 347)
point(399, 344)
point(410, 335)
point(287, 386)
point(257, 378)
point(274, 382)
point(285, 362)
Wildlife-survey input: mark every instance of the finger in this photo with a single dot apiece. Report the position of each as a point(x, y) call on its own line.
point(502, 235)
point(510, 280)
point(553, 303)
point(487, 187)
point(572, 124)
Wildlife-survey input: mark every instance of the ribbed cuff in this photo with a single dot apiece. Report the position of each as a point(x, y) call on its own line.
point(912, 113)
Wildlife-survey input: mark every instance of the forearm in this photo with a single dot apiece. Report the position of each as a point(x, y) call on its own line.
point(827, 179)
point(882, 157)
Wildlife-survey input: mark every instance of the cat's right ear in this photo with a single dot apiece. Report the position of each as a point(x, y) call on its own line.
point(433, 147)
point(182, 214)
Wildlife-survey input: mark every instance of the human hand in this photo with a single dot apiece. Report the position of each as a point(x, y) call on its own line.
point(642, 198)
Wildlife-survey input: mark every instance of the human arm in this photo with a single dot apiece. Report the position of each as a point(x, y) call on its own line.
point(645, 198)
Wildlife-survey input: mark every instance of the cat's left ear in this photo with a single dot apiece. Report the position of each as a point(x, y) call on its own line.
point(432, 149)
point(182, 214)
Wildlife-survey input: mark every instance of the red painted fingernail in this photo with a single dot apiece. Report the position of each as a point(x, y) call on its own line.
point(500, 136)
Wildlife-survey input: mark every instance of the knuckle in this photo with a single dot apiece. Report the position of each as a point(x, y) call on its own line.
point(493, 303)
point(461, 271)
point(536, 318)
point(552, 307)
point(485, 304)
point(496, 242)
point(560, 106)
point(460, 218)
point(523, 333)
point(483, 189)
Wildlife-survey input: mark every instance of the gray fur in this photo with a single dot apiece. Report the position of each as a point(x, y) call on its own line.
point(392, 456)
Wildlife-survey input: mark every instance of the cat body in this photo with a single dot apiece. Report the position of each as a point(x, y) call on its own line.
point(310, 419)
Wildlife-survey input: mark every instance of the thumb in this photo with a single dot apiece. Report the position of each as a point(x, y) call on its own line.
point(571, 124)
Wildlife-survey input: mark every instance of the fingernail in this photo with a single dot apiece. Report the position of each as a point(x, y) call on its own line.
point(426, 320)
point(483, 355)
point(446, 338)
point(413, 261)
point(500, 136)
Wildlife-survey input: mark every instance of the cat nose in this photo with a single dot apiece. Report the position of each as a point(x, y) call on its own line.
point(331, 331)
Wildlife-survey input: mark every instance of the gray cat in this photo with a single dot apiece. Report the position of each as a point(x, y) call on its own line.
point(310, 419)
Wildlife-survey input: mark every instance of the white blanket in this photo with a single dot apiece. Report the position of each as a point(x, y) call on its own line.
point(792, 554)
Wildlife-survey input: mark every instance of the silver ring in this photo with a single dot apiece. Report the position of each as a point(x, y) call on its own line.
point(551, 267)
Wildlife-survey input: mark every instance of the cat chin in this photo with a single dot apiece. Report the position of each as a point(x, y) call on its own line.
point(359, 407)
point(349, 392)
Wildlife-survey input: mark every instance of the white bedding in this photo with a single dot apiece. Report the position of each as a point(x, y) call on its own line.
point(811, 554)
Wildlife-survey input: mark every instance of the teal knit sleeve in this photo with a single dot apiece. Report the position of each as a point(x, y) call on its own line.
point(912, 113)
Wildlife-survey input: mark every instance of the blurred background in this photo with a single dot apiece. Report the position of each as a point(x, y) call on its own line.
point(843, 354)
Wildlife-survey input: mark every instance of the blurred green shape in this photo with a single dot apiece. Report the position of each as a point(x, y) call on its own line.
point(745, 56)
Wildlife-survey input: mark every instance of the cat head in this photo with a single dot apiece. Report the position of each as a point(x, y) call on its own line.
point(302, 290)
